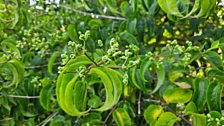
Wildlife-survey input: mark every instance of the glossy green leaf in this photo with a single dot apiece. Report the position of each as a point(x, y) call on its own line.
point(215, 45)
point(215, 73)
point(79, 94)
point(15, 75)
point(177, 95)
point(151, 113)
point(204, 8)
point(200, 88)
point(94, 101)
point(134, 75)
point(51, 62)
point(72, 33)
point(116, 79)
point(121, 117)
point(93, 118)
point(108, 87)
point(45, 97)
point(194, 9)
point(17, 69)
point(214, 93)
point(191, 108)
point(215, 59)
point(171, 8)
point(199, 119)
point(160, 71)
point(167, 119)
point(65, 83)
point(144, 67)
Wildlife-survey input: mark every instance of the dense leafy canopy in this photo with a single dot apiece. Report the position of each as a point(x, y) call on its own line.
point(111, 62)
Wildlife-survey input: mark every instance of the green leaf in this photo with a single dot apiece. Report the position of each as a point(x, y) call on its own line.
point(200, 88)
point(17, 69)
point(66, 80)
point(151, 113)
point(51, 62)
point(92, 119)
point(215, 73)
point(215, 59)
point(144, 67)
point(79, 94)
point(215, 45)
point(190, 108)
point(170, 7)
point(116, 79)
point(94, 101)
point(45, 97)
point(68, 98)
point(160, 71)
point(177, 95)
point(126, 36)
point(72, 33)
point(199, 119)
point(60, 120)
point(112, 4)
point(126, 9)
point(132, 25)
point(205, 5)
point(167, 119)
point(121, 117)
point(194, 9)
point(15, 74)
point(214, 93)
point(135, 73)
point(108, 87)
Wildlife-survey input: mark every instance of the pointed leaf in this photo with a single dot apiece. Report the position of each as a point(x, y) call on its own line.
point(45, 97)
point(215, 59)
point(200, 88)
point(51, 62)
point(167, 119)
point(121, 117)
point(177, 95)
point(151, 113)
point(160, 71)
point(214, 93)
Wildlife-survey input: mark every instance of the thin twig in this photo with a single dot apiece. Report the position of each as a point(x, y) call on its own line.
point(171, 110)
point(26, 97)
point(112, 110)
point(6, 119)
point(94, 15)
point(90, 59)
point(116, 67)
point(139, 103)
point(44, 122)
point(108, 116)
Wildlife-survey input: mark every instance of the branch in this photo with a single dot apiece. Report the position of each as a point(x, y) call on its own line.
point(112, 110)
point(171, 110)
point(26, 97)
point(90, 59)
point(94, 15)
point(44, 122)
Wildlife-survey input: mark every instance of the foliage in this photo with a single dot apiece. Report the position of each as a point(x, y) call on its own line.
point(111, 62)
